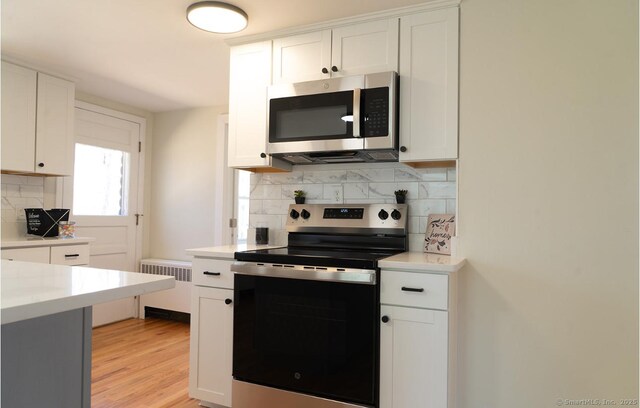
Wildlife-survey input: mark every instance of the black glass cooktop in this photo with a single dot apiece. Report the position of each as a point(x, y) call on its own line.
point(317, 257)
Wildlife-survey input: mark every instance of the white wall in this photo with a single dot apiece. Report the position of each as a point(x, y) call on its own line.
point(182, 181)
point(548, 202)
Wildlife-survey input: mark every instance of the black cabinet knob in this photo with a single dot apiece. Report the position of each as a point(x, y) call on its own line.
point(305, 214)
point(294, 214)
point(396, 215)
point(263, 155)
point(227, 301)
point(403, 149)
point(40, 164)
point(334, 68)
point(383, 215)
point(325, 70)
point(385, 319)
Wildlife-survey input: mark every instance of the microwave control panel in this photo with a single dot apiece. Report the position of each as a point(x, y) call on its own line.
point(375, 105)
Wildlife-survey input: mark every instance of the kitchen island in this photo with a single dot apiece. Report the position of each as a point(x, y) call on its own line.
point(46, 328)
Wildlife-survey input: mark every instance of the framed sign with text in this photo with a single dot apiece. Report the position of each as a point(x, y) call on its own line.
point(440, 229)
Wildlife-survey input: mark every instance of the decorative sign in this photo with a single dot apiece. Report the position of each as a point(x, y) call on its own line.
point(440, 229)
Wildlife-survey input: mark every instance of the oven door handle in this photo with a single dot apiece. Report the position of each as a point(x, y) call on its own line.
point(344, 275)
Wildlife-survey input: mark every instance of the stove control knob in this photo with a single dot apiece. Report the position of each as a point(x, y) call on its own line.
point(383, 215)
point(395, 214)
point(294, 214)
point(305, 214)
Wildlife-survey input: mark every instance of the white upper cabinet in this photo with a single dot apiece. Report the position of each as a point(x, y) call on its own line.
point(365, 48)
point(37, 122)
point(361, 48)
point(429, 86)
point(18, 118)
point(250, 75)
point(54, 126)
point(302, 57)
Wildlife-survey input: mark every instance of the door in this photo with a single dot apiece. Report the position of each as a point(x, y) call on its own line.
point(104, 194)
point(413, 358)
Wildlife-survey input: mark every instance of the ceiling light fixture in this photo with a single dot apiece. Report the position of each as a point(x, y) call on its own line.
point(217, 17)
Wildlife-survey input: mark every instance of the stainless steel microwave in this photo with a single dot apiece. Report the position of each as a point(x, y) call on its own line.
point(337, 120)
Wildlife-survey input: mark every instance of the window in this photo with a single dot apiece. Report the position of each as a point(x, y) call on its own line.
point(243, 188)
point(100, 184)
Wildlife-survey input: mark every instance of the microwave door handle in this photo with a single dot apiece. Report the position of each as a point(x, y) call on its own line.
point(356, 112)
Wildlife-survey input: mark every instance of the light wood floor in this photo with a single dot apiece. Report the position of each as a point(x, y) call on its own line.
point(141, 364)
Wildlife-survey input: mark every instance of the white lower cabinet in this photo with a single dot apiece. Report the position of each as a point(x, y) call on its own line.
point(37, 255)
point(211, 345)
point(417, 339)
point(72, 255)
point(413, 365)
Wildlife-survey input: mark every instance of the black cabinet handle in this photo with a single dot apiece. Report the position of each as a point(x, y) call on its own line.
point(263, 155)
point(227, 301)
point(403, 149)
point(40, 164)
point(325, 70)
point(385, 319)
point(72, 255)
point(406, 289)
point(211, 273)
point(334, 68)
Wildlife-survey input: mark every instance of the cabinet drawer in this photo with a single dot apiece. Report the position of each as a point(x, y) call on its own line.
point(414, 289)
point(212, 272)
point(38, 254)
point(70, 255)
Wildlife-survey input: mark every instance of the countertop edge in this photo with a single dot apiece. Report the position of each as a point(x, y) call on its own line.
point(226, 251)
point(417, 262)
point(35, 242)
point(48, 307)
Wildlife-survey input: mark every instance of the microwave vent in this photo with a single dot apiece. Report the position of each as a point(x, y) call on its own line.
point(383, 156)
point(297, 159)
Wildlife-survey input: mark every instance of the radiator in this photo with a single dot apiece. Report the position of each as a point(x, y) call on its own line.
point(177, 299)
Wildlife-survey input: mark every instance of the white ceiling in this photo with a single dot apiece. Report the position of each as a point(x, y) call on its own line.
point(144, 53)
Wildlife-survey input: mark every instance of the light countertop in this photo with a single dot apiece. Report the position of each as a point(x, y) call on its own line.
point(32, 289)
point(40, 241)
point(422, 262)
point(227, 251)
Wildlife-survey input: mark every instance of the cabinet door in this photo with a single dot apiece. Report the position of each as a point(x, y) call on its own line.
point(18, 118)
point(211, 345)
point(365, 48)
point(429, 85)
point(249, 77)
point(413, 358)
point(302, 57)
point(37, 254)
point(54, 126)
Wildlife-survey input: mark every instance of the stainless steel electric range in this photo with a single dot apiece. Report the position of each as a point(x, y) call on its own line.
point(306, 317)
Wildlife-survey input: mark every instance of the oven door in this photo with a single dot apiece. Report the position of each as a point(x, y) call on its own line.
point(313, 337)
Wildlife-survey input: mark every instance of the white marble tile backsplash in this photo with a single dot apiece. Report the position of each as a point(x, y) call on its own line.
point(18, 193)
point(431, 191)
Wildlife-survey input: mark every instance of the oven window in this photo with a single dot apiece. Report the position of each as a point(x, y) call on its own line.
point(313, 337)
point(310, 117)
